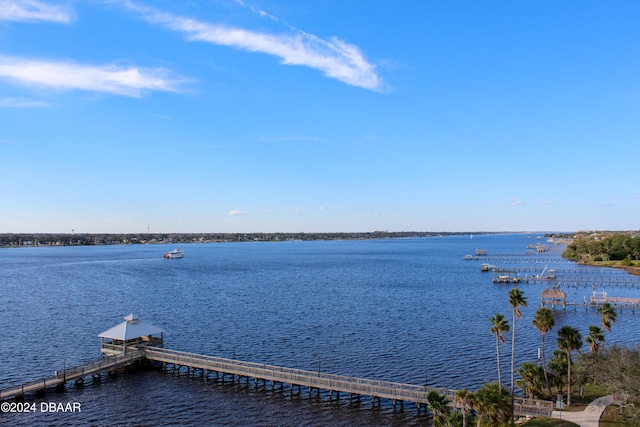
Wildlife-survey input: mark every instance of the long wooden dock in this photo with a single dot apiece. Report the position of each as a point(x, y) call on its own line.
point(78, 374)
point(309, 380)
point(295, 377)
point(353, 386)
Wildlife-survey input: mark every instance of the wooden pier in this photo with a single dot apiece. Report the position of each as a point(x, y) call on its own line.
point(351, 386)
point(295, 378)
point(541, 263)
point(311, 381)
point(558, 298)
point(133, 342)
point(76, 374)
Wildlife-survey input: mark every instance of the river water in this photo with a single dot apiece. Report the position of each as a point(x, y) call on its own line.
point(402, 310)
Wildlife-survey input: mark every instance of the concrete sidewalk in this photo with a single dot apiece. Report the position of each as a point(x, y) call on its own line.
point(590, 417)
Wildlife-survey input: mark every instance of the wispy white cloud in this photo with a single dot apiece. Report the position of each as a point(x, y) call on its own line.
point(115, 79)
point(636, 196)
point(334, 57)
point(545, 202)
point(236, 212)
point(33, 10)
point(515, 201)
point(260, 12)
point(21, 103)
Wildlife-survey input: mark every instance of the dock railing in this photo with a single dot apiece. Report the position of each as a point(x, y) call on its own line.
point(321, 380)
point(71, 374)
point(276, 374)
point(326, 381)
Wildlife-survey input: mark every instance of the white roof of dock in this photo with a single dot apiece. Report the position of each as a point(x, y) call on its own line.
point(130, 329)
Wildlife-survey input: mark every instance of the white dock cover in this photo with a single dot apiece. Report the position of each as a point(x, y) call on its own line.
point(130, 329)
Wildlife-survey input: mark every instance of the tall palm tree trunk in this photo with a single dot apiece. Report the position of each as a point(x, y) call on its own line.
point(498, 357)
point(569, 378)
point(513, 352)
point(544, 367)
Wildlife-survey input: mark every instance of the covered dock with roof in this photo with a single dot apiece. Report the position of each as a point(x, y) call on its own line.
point(554, 297)
point(130, 335)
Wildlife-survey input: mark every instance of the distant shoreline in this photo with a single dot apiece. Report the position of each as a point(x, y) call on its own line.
point(99, 239)
point(612, 264)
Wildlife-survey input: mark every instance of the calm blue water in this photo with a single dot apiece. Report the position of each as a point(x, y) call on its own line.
point(405, 310)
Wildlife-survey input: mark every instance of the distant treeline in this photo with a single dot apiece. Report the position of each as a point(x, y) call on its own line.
point(80, 239)
point(596, 247)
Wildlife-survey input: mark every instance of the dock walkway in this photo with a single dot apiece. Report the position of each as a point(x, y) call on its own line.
point(354, 387)
point(77, 373)
point(296, 377)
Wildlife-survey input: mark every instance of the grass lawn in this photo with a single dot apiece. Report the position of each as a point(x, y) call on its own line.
point(591, 393)
point(610, 417)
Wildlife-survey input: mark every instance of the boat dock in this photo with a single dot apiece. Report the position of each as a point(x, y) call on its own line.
point(132, 343)
point(542, 264)
point(77, 374)
point(210, 367)
point(278, 376)
point(557, 298)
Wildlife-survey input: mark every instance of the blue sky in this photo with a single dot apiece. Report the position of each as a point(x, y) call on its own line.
point(319, 115)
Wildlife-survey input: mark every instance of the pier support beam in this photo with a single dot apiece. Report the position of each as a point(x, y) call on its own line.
point(374, 400)
point(396, 401)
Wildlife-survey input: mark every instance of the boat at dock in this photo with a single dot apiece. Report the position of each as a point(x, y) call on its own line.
point(549, 274)
point(506, 278)
point(488, 267)
point(176, 253)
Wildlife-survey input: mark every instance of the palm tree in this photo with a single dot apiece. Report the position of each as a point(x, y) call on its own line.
point(464, 400)
point(609, 316)
point(493, 403)
point(569, 339)
point(499, 325)
point(544, 322)
point(558, 369)
point(530, 381)
point(440, 408)
point(516, 300)
point(595, 339)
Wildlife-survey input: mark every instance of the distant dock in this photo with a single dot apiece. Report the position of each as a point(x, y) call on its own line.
point(557, 298)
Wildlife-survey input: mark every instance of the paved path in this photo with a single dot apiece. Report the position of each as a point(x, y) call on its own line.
point(590, 417)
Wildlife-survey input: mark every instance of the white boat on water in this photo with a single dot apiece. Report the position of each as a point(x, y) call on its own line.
point(550, 274)
point(176, 253)
point(488, 267)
